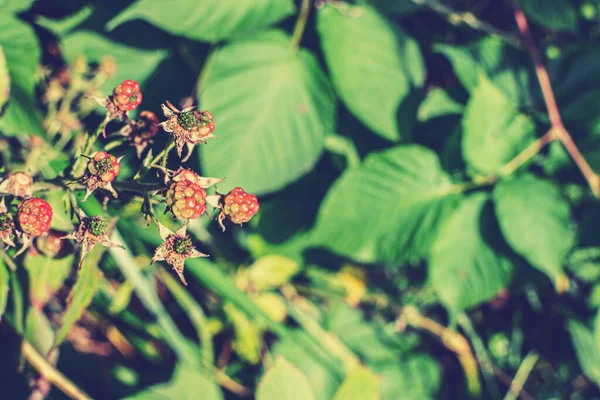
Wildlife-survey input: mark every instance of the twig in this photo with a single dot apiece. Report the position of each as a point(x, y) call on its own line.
point(47, 370)
point(300, 25)
point(453, 341)
point(522, 374)
point(469, 19)
point(553, 112)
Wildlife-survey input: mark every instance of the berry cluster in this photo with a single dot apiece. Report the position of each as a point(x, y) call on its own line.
point(183, 191)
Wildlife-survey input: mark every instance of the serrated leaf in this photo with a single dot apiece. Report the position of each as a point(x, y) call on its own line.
point(361, 384)
point(468, 264)
point(560, 15)
point(373, 64)
point(272, 271)
point(504, 65)
point(494, 131)
point(389, 209)
point(284, 381)
point(4, 287)
point(536, 221)
point(82, 293)
point(186, 384)
point(132, 63)
point(416, 378)
point(587, 350)
point(46, 276)
point(273, 109)
point(209, 20)
point(22, 53)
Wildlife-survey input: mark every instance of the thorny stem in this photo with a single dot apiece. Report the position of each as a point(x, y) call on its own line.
point(553, 112)
point(469, 19)
point(79, 166)
point(516, 387)
point(50, 373)
point(300, 25)
point(160, 156)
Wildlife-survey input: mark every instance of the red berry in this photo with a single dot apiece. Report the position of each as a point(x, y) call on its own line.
point(127, 95)
point(105, 166)
point(240, 206)
point(34, 216)
point(186, 199)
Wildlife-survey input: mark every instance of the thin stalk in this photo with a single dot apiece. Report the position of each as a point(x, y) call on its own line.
point(50, 373)
point(300, 25)
point(521, 376)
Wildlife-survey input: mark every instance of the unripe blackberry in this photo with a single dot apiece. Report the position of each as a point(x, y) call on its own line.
point(186, 200)
point(240, 206)
point(34, 216)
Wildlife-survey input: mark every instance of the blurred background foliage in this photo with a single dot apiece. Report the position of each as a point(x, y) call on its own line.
point(400, 251)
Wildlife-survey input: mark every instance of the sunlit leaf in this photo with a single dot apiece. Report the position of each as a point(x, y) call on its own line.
point(374, 65)
point(272, 110)
point(284, 382)
point(361, 384)
point(388, 209)
point(209, 20)
point(472, 269)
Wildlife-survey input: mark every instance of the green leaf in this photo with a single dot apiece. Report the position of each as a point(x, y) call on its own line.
point(390, 208)
point(395, 7)
point(597, 329)
point(15, 6)
point(373, 64)
point(4, 82)
point(272, 271)
point(587, 350)
point(438, 103)
point(273, 109)
point(365, 338)
point(209, 20)
point(132, 63)
point(361, 384)
point(310, 361)
point(505, 66)
point(4, 287)
point(536, 221)
point(46, 276)
point(248, 339)
point(494, 131)
point(22, 53)
point(467, 263)
point(82, 293)
point(560, 15)
point(417, 378)
point(187, 384)
point(38, 330)
point(284, 382)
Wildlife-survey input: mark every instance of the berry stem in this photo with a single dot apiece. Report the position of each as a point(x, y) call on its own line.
point(80, 163)
point(160, 156)
point(300, 25)
point(163, 162)
point(50, 373)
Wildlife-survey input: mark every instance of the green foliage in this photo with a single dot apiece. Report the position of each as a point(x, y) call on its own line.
point(404, 191)
point(357, 41)
point(212, 20)
point(388, 209)
point(469, 272)
point(536, 221)
point(275, 108)
point(284, 381)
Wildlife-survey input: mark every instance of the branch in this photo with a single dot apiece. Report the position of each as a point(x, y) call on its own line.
point(553, 112)
point(469, 19)
point(51, 374)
